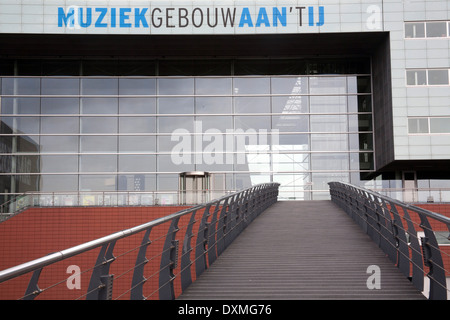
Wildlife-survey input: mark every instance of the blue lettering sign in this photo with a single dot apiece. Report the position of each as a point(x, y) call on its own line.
point(245, 18)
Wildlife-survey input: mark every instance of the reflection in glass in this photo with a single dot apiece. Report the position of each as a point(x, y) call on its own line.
point(176, 86)
point(290, 104)
point(20, 105)
point(60, 86)
point(60, 105)
point(252, 123)
point(98, 163)
point(98, 143)
point(60, 125)
point(21, 86)
point(59, 163)
point(63, 144)
point(251, 85)
point(213, 105)
point(130, 86)
point(137, 124)
point(99, 105)
point(170, 124)
point(328, 104)
point(220, 124)
point(94, 86)
point(137, 105)
point(213, 86)
point(329, 142)
point(289, 85)
point(98, 124)
point(252, 105)
point(67, 183)
point(137, 163)
point(135, 143)
point(328, 85)
point(176, 105)
point(27, 125)
point(290, 123)
point(328, 123)
point(97, 182)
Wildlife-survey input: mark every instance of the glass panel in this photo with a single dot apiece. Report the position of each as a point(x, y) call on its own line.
point(60, 86)
point(216, 123)
point(364, 85)
point(97, 183)
point(59, 144)
point(328, 104)
point(138, 182)
point(59, 105)
point(137, 143)
point(436, 29)
point(290, 123)
point(98, 163)
point(99, 105)
point(20, 106)
point(137, 86)
point(329, 85)
point(418, 125)
point(137, 124)
point(26, 164)
point(290, 104)
point(60, 183)
point(252, 122)
point(416, 77)
point(364, 103)
point(176, 86)
point(415, 30)
point(289, 85)
point(99, 124)
point(167, 182)
point(285, 142)
point(440, 125)
point(167, 163)
point(27, 143)
point(213, 105)
point(99, 86)
point(366, 161)
point(251, 85)
point(27, 125)
point(170, 124)
point(365, 122)
point(320, 180)
point(21, 86)
point(61, 68)
point(365, 141)
point(169, 142)
point(253, 162)
point(329, 123)
point(60, 124)
point(213, 86)
point(176, 105)
point(438, 77)
point(57, 163)
point(137, 105)
point(252, 105)
point(291, 162)
point(329, 142)
point(98, 143)
point(330, 161)
point(137, 163)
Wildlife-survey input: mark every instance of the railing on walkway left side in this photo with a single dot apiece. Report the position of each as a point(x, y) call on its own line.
point(130, 265)
point(410, 236)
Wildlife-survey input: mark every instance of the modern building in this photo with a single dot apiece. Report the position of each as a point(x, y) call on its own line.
point(141, 95)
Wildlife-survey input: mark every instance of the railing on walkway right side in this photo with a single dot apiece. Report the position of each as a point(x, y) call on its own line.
point(409, 235)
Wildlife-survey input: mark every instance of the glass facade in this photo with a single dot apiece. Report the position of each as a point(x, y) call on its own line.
point(104, 126)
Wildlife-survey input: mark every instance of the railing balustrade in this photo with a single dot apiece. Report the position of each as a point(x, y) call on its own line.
point(184, 245)
point(410, 236)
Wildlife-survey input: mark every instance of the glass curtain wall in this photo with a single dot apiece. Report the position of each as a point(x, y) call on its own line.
point(134, 126)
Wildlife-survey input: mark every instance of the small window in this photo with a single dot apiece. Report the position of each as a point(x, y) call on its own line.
point(438, 77)
point(440, 125)
point(436, 29)
point(418, 125)
point(416, 77)
point(415, 30)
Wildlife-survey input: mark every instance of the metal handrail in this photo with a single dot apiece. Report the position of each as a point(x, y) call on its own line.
point(242, 206)
point(393, 225)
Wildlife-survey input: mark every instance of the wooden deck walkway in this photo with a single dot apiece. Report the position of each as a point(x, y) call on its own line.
point(301, 250)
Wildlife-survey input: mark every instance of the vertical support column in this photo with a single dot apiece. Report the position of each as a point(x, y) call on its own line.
point(100, 285)
point(200, 249)
point(168, 263)
point(186, 278)
point(138, 280)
